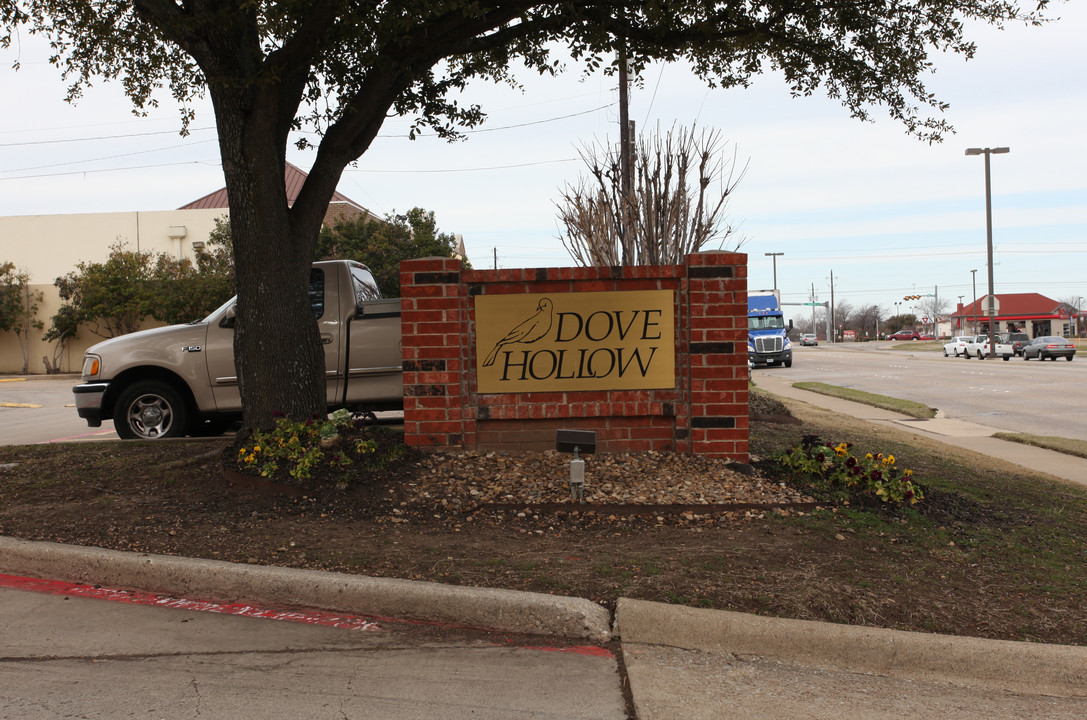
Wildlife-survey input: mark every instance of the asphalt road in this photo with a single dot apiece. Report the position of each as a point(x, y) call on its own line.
point(1043, 398)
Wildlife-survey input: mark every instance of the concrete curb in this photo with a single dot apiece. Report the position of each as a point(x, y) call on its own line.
point(493, 609)
point(1021, 667)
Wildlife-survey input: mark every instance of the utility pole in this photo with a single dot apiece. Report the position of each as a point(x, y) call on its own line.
point(833, 327)
point(626, 164)
point(813, 308)
point(935, 312)
point(774, 257)
point(989, 236)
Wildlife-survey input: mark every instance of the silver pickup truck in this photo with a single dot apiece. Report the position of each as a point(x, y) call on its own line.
point(178, 380)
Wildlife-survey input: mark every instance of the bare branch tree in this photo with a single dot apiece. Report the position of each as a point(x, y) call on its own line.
point(672, 210)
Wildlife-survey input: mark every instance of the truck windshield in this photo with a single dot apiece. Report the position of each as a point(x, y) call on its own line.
point(767, 322)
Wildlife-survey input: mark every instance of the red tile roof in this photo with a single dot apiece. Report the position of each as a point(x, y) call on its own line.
point(1014, 304)
point(294, 178)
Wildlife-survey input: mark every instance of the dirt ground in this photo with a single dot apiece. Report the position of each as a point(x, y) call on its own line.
point(662, 527)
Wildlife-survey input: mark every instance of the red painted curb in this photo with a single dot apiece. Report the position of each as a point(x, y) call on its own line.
point(308, 617)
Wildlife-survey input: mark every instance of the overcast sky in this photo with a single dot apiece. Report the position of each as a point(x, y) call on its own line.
point(887, 214)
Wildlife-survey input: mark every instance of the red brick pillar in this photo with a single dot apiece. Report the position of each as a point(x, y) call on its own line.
point(717, 347)
point(435, 350)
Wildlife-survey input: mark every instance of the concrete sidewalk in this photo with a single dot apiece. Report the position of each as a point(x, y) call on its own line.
point(681, 662)
point(957, 433)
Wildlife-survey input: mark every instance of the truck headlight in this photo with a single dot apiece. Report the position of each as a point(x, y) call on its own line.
point(92, 365)
point(788, 344)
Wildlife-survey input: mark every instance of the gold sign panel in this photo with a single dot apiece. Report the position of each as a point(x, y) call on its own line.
point(546, 342)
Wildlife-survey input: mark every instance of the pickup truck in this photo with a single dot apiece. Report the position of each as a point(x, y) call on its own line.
point(179, 380)
point(978, 346)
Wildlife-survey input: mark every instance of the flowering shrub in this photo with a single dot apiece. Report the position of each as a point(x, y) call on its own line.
point(836, 468)
point(301, 449)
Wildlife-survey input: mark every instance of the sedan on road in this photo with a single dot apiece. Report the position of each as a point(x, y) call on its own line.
point(1050, 347)
point(809, 339)
point(956, 346)
point(904, 335)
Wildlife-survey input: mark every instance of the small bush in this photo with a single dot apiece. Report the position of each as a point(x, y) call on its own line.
point(837, 472)
point(314, 450)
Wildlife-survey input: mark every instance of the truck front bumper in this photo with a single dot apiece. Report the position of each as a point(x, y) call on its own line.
point(88, 402)
point(770, 358)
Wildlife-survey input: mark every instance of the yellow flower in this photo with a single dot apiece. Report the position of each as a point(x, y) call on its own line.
point(256, 448)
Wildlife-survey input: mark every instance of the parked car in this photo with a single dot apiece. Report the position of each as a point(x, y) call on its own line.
point(956, 345)
point(809, 339)
point(904, 335)
point(1050, 347)
point(1018, 341)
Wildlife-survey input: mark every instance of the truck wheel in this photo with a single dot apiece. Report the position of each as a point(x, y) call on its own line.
point(150, 410)
point(789, 362)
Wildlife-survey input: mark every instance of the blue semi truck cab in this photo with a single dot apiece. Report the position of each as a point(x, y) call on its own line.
point(767, 336)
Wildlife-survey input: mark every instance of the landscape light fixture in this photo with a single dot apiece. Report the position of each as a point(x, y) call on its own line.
point(989, 236)
point(576, 441)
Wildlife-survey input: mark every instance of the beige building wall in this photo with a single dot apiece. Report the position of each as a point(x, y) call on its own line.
point(49, 246)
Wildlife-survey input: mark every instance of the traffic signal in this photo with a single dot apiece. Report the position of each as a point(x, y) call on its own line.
point(912, 297)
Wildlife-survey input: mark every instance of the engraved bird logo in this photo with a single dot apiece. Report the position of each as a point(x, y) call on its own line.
point(528, 331)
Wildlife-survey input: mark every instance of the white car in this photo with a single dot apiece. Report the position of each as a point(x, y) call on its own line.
point(956, 346)
point(809, 339)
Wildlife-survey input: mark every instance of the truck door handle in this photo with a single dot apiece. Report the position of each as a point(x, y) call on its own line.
point(326, 339)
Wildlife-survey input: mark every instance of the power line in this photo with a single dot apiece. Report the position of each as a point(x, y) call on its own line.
point(93, 172)
point(101, 137)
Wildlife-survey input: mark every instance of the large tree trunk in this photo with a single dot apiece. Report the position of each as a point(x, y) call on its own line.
point(277, 350)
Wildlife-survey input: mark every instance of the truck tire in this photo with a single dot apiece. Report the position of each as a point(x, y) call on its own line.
point(150, 410)
point(789, 362)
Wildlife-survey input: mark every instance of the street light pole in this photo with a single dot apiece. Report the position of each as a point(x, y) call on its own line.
point(774, 257)
point(989, 236)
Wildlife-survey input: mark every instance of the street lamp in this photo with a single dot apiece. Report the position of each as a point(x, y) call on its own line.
point(774, 257)
point(960, 312)
point(989, 236)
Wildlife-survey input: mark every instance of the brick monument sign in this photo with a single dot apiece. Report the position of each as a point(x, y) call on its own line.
point(648, 357)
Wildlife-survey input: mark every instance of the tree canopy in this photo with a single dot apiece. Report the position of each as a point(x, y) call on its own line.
point(382, 245)
point(341, 67)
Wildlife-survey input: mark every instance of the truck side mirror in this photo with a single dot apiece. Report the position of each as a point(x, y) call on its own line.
point(229, 317)
point(790, 324)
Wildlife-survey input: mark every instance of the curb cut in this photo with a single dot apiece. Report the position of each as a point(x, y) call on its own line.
point(1022, 667)
point(484, 608)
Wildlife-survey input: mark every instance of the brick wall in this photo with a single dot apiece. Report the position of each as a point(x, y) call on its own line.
point(706, 412)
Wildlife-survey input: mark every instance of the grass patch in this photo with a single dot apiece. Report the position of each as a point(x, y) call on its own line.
point(919, 345)
point(906, 407)
point(1064, 445)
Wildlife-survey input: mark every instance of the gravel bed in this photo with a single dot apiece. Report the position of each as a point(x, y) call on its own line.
point(467, 480)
